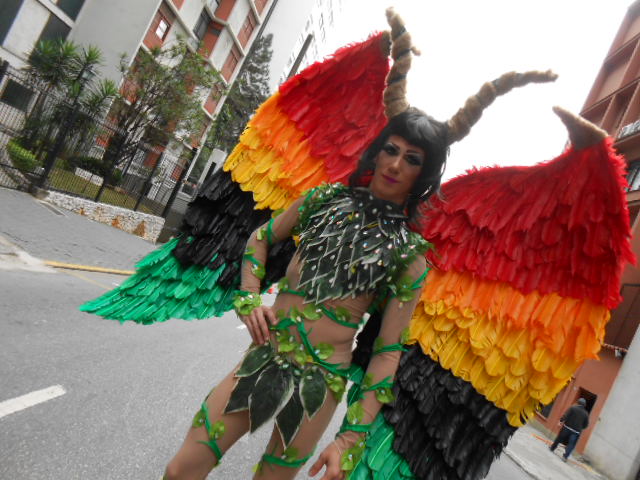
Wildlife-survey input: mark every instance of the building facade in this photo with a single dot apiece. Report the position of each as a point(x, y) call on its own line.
point(612, 440)
point(221, 30)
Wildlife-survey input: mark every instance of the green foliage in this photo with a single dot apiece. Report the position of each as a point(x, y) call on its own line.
point(250, 89)
point(71, 96)
point(21, 158)
point(160, 97)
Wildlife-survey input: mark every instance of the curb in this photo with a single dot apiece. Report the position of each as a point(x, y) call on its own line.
point(86, 268)
point(523, 464)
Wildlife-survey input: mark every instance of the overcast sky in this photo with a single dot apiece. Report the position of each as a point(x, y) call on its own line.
point(467, 42)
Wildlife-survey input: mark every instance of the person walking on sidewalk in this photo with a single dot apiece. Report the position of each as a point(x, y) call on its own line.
point(574, 420)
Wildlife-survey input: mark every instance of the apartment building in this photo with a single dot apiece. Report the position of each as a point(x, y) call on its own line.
point(611, 385)
point(221, 30)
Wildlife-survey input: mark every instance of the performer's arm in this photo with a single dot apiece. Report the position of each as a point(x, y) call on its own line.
point(247, 302)
point(377, 387)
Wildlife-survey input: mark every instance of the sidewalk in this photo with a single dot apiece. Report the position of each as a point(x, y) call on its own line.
point(529, 448)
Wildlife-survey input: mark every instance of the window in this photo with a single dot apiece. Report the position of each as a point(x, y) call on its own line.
point(9, 12)
point(201, 25)
point(162, 28)
point(633, 177)
point(16, 95)
point(70, 7)
point(231, 63)
point(247, 28)
point(54, 29)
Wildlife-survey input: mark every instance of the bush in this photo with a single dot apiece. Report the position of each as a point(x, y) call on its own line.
point(21, 158)
point(90, 164)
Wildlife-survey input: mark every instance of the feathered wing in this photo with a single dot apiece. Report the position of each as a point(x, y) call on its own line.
point(312, 130)
point(527, 266)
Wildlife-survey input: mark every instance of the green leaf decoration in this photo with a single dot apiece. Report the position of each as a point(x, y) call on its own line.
point(343, 314)
point(295, 314)
point(199, 419)
point(324, 350)
point(352, 456)
point(255, 359)
point(258, 270)
point(300, 355)
point(404, 336)
point(280, 314)
point(239, 399)
point(385, 395)
point(355, 413)
point(286, 341)
point(378, 344)
point(405, 295)
point(217, 430)
point(313, 390)
point(283, 284)
point(367, 381)
point(272, 390)
point(250, 250)
point(336, 384)
point(290, 454)
point(312, 312)
point(261, 233)
point(290, 418)
point(245, 302)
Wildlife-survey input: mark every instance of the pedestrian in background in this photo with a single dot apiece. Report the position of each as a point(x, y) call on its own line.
point(574, 420)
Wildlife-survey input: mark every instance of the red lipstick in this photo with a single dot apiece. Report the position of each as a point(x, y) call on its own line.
point(390, 179)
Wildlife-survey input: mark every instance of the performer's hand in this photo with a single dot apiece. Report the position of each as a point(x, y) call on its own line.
point(258, 322)
point(582, 132)
point(330, 457)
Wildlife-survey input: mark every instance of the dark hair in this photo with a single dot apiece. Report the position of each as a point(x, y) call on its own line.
point(417, 128)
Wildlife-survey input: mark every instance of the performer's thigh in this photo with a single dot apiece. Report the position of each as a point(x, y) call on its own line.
point(304, 442)
point(194, 459)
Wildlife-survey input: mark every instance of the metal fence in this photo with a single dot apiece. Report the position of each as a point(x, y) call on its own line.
point(50, 142)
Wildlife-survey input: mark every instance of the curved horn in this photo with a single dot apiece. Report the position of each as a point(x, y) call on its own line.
point(460, 124)
point(394, 96)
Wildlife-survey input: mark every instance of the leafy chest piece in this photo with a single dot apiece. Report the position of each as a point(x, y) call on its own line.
point(351, 245)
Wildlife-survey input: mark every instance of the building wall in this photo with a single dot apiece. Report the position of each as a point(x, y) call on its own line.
point(595, 376)
point(614, 447)
point(286, 24)
point(24, 32)
point(116, 27)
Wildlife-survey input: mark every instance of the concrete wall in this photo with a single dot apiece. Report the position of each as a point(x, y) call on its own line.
point(141, 224)
point(614, 447)
point(116, 27)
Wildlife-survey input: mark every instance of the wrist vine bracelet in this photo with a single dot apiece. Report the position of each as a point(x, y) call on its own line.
point(245, 302)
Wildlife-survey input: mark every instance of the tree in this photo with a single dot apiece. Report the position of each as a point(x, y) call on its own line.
point(160, 99)
point(248, 92)
point(65, 74)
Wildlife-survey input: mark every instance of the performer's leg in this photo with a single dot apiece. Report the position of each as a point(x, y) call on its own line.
point(200, 452)
point(274, 467)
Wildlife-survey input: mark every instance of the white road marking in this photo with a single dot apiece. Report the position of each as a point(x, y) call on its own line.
point(241, 327)
point(30, 399)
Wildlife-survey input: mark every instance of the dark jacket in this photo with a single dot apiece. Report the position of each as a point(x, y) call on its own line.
point(576, 418)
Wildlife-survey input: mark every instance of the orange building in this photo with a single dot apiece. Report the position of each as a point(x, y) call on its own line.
point(614, 104)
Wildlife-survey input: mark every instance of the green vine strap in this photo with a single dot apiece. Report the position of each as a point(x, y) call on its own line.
point(215, 431)
point(257, 268)
point(339, 315)
point(245, 302)
point(266, 233)
point(289, 458)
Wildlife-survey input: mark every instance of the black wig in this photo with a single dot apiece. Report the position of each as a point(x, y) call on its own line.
point(417, 128)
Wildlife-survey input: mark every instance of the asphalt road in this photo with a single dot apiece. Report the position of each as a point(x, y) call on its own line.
point(130, 390)
point(53, 233)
